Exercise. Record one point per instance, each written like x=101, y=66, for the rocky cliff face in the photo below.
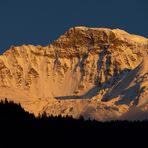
x=96, y=72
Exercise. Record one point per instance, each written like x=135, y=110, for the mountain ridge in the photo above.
x=79, y=73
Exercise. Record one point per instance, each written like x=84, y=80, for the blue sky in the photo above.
x=42, y=21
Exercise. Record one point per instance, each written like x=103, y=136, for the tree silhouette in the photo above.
x=15, y=120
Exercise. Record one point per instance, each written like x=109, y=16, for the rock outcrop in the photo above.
x=95, y=72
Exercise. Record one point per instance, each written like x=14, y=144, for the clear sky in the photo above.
x=42, y=21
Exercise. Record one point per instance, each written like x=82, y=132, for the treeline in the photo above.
x=15, y=121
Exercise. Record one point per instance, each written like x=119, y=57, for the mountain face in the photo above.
x=95, y=72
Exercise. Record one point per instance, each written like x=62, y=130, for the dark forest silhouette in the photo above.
x=16, y=123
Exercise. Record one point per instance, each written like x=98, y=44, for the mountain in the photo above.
x=98, y=73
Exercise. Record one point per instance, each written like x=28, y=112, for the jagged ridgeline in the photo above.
x=95, y=72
